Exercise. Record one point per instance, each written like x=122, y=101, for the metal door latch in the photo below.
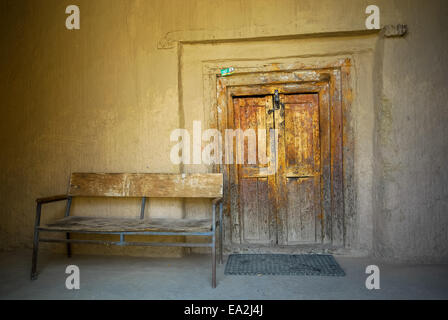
x=277, y=103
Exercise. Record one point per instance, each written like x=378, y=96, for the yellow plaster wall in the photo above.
x=106, y=97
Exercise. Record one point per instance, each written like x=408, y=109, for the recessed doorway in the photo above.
x=283, y=205
x=301, y=202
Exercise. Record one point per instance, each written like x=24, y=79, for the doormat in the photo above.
x=283, y=264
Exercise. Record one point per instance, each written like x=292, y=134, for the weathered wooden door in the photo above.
x=299, y=170
x=256, y=199
x=278, y=202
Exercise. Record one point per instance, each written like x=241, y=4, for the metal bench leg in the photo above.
x=69, y=246
x=220, y=233
x=67, y=213
x=35, y=243
x=214, y=262
x=34, y=260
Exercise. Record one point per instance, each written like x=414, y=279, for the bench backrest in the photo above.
x=208, y=185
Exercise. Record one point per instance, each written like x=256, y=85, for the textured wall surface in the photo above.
x=411, y=217
x=106, y=97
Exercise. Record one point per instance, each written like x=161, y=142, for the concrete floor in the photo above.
x=112, y=277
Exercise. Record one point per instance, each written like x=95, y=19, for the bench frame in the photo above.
x=122, y=234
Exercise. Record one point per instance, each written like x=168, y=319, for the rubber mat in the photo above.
x=283, y=264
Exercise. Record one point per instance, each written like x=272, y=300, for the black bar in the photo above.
x=129, y=243
x=36, y=242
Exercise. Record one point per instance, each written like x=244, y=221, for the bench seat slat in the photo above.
x=95, y=224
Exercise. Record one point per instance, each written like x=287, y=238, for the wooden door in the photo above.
x=280, y=206
x=299, y=172
x=256, y=199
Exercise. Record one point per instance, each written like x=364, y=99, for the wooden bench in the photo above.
x=136, y=185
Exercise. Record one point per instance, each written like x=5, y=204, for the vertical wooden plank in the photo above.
x=234, y=122
x=349, y=209
x=249, y=209
x=281, y=180
x=272, y=152
x=262, y=140
x=308, y=187
x=337, y=193
x=244, y=186
x=302, y=134
x=264, y=210
x=265, y=207
x=315, y=116
x=317, y=208
x=301, y=210
x=324, y=217
x=248, y=202
x=255, y=211
x=317, y=168
x=302, y=169
x=250, y=122
x=223, y=116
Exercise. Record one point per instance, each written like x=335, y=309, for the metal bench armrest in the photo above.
x=52, y=199
x=41, y=201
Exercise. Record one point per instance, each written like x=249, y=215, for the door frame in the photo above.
x=331, y=82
